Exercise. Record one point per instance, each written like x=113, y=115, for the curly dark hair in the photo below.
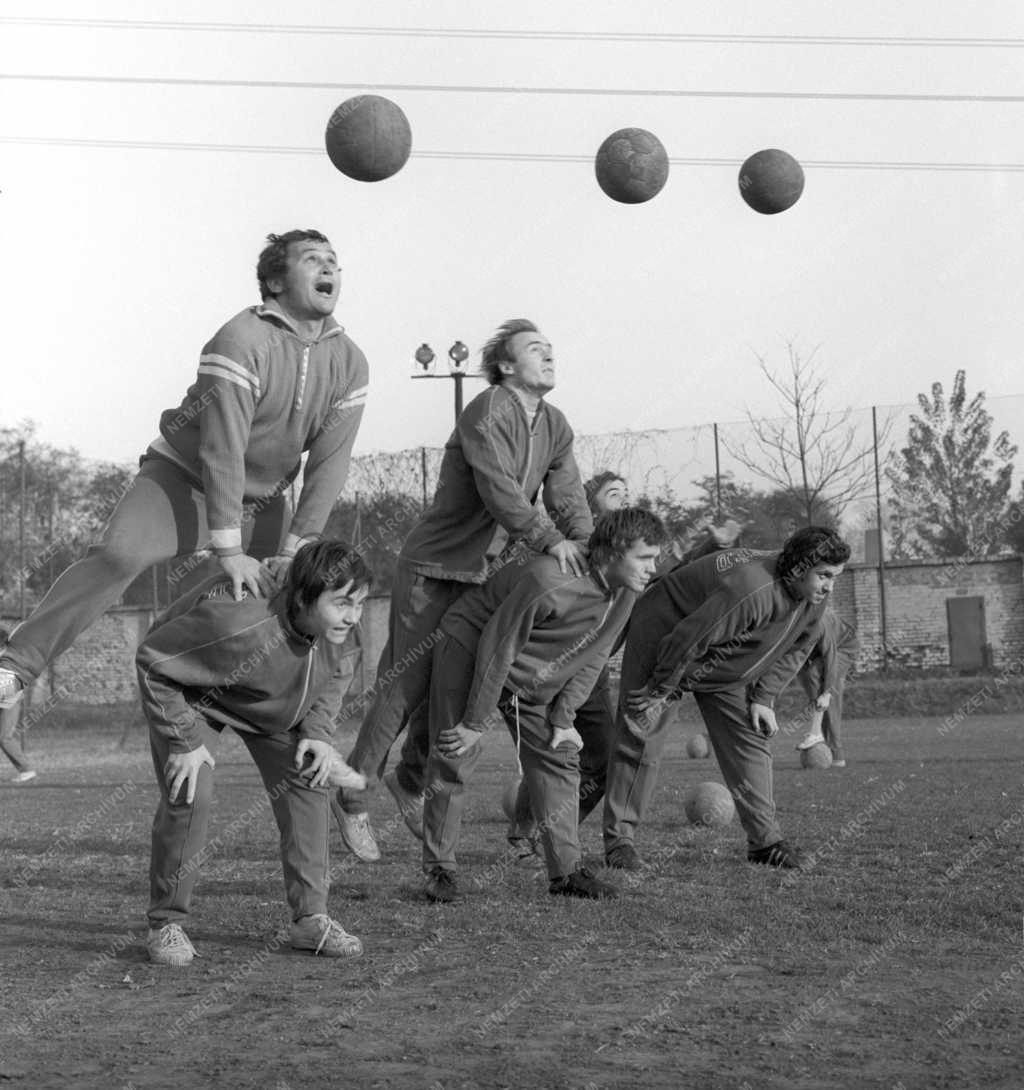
x=616, y=531
x=809, y=547
x=273, y=259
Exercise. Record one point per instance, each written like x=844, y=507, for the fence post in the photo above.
x=21, y=530
x=718, y=479
x=881, y=545
x=423, y=474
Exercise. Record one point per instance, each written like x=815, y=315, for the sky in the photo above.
x=123, y=259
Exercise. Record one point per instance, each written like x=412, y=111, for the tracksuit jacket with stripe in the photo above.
x=724, y=621
x=541, y=634
x=240, y=664
x=262, y=397
x=495, y=465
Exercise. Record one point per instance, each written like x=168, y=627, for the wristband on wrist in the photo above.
x=234, y=550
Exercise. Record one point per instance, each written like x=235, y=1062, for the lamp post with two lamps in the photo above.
x=457, y=356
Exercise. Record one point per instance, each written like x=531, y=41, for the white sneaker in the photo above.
x=169, y=945
x=409, y=806
x=341, y=775
x=356, y=832
x=25, y=777
x=11, y=689
x=815, y=738
x=325, y=937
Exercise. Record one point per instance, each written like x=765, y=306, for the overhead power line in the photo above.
x=503, y=156
x=519, y=33
x=489, y=89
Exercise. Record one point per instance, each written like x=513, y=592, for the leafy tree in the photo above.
x=951, y=482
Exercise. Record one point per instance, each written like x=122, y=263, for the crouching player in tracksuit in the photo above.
x=732, y=628
x=275, y=670
x=526, y=648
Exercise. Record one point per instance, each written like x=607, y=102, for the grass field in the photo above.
x=896, y=960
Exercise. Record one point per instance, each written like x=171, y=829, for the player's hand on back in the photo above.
x=277, y=567
x=182, y=770
x=247, y=573
x=762, y=719
x=571, y=556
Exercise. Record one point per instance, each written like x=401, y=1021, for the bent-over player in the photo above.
x=732, y=628
x=275, y=670
x=526, y=649
x=595, y=717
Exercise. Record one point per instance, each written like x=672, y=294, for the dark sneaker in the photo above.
x=582, y=883
x=623, y=857
x=779, y=854
x=441, y=887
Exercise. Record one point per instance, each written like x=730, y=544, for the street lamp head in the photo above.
x=458, y=354
x=424, y=356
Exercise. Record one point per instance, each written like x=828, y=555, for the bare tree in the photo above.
x=822, y=459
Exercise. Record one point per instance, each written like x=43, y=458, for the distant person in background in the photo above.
x=278, y=380
x=823, y=678
x=10, y=739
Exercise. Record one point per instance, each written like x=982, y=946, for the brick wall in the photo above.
x=916, y=593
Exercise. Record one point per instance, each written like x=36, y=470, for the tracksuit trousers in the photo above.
x=595, y=721
x=744, y=757
x=552, y=776
x=302, y=814
x=402, y=688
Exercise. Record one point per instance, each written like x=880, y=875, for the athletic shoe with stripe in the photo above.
x=169, y=945
x=356, y=832
x=324, y=937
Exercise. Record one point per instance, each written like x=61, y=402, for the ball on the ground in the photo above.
x=508, y=797
x=709, y=804
x=819, y=756
x=631, y=166
x=368, y=138
x=771, y=181
x=697, y=746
